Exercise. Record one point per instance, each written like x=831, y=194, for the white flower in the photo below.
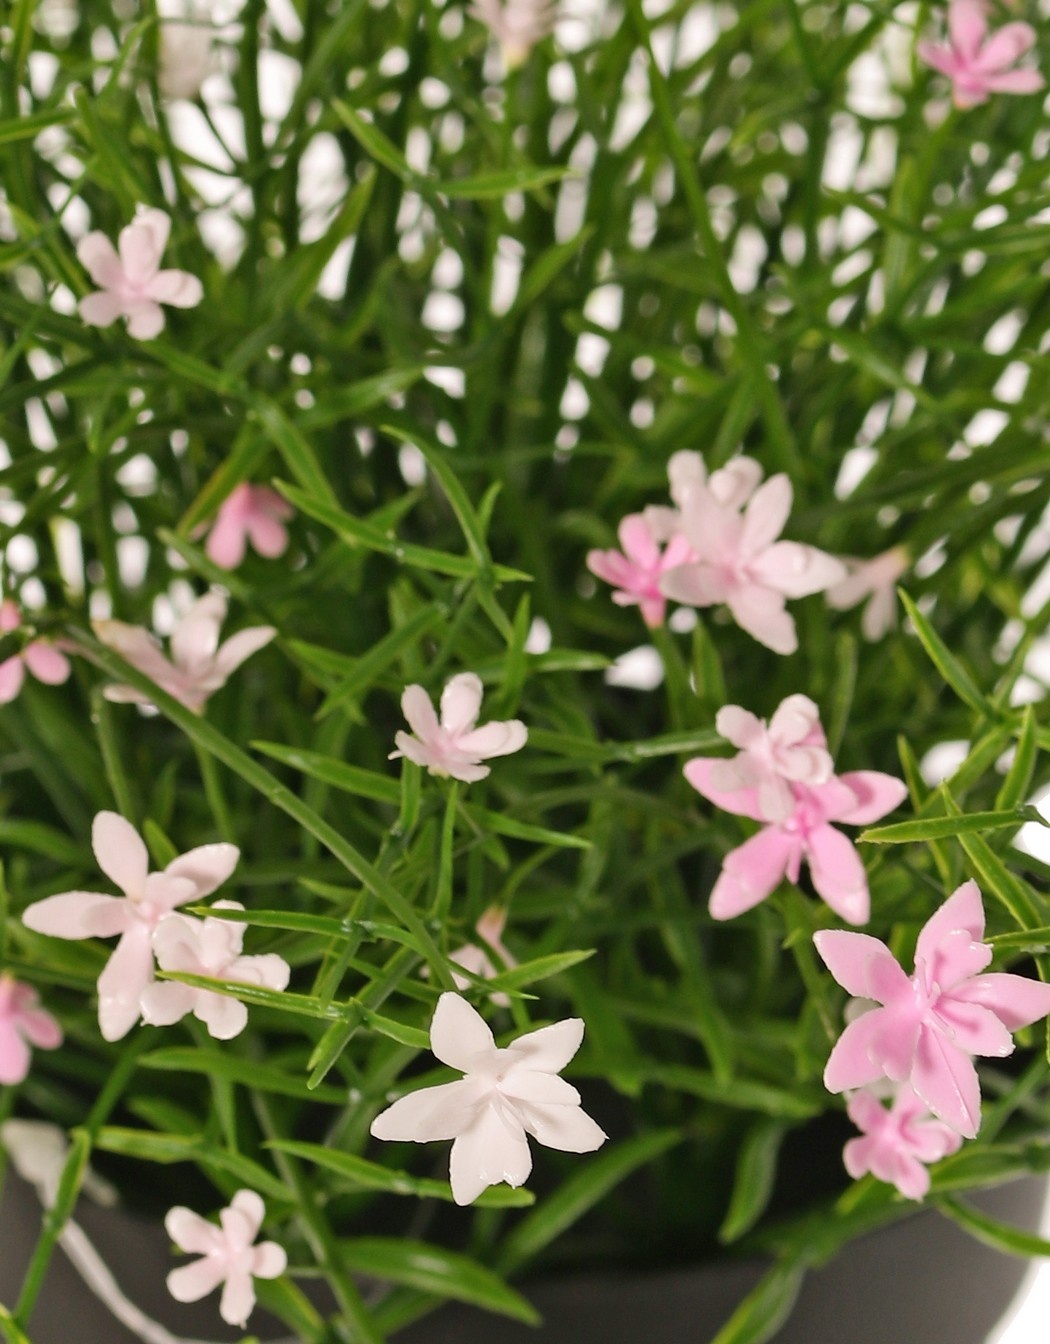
x=209, y=947
x=199, y=665
x=131, y=283
x=228, y=1256
x=455, y=746
x=186, y=54
x=504, y=1095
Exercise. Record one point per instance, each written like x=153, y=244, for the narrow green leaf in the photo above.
x=1019, y=777
x=372, y=140
x=10, y=1330
x=481, y=819
x=755, y=1176
x=249, y=1072
x=494, y=186
x=989, y=1231
x=1033, y=939
x=293, y=446
x=454, y=492
x=946, y=663
x=148, y=1146
x=432, y=1269
x=284, y=1299
x=994, y=876
x=939, y=828
x=540, y=968
x=371, y=665
x=765, y=1309
x=350, y=778
x=28, y=126
x=347, y=403
x=737, y=1093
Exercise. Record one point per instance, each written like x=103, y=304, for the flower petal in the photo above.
x=225, y=1017
x=967, y=25
x=47, y=663
x=838, y=873
x=15, y=1056
x=700, y=772
x=12, y=674
x=238, y=1298
x=876, y=794
x=565, y=1128
x=419, y=713
x=751, y=872
x=189, y=1283
x=207, y=867
x=226, y=541
x=145, y=319
x=99, y=258
x=142, y=243
x=962, y=910
x=853, y=1062
x=549, y=1049
x=1015, y=1000
x=177, y=288
x=195, y=640
x=945, y=1078
x=459, y=1034
x=492, y=1150
x=431, y=1113
x=760, y=611
x=100, y=309
x=248, y=1204
x=79, y=914
x=120, y=852
x=766, y=513
x=460, y=703
x=1004, y=47
x=240, y=647
x=165, y=1002
x=269, y=1261
x=124, y=977
x=862, y=965
x=499, y=738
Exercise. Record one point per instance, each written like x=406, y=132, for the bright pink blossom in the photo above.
x=931, y=1024
x=199, y=665
x=209, y=947
x=45, y=662
x=979, y=64
x=792, y=749
x=249, y=513
x=148, y=898
x=898, y=1141
x=454, y=746
x=22, y=1023
x=740, y=563
x=797, y=806
x=228, y=1256
x=636, y=573
x=505, y=1095
x=876, y=580
x=131, y=283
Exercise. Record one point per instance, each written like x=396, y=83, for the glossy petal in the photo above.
x=78, y=914
x=458, y=1033
x=751, y=872
x=461, y=703
x=165, y=1002
x=419, y=713
x=962, y=910
x=240, y=647
x=862, y=965
x=550, y=1048
x=491, y=1150
x=1015, y=1000
x=207, y=867
x=124, y=977
x=432, y=1113
x=851, y=1062
x=120, y=852
x=945, y=1078
x=565, y=1128
x=838, y=874
x=876, y=794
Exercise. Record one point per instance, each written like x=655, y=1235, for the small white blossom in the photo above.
x=228, y=1256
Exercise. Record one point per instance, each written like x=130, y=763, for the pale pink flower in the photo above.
x=228, y=1256
x=209, y=947
x=517, y=25
x=199, y=665
x=478, y=959
x=791, y=750
x=978, y=64
x=931, y=1024
x=731, y=485
x=131, y=283
x=504, y=1095
x=148, y=898
x=753, y=870
x=22, y=1023
x=898, y=1141
x=875, y=579
x=741, y=564
x=454, y=746
x=636, y=573
x=249, y=513
x=186, y=53
x=41, y=657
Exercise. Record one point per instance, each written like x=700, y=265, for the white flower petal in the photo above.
x=566, y=1128
x=550, y=1049
x=460, y=703
x=459, y=1034
x=431, y=1113
x=207, y=867
x=492, y=1150
x=120, y=852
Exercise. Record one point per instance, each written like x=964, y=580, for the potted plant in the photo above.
x=460, y=467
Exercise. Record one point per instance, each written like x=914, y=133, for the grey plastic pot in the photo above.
x=921, y=1281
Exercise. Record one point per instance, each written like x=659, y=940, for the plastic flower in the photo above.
x=636, y=573
x=131, y=283
x=228, y=1256
x=898, y=1141
x=876, y=580
x=209, y=947
x=740, y=563
x=249, y=513
x=753, y=870
x=978, y=64
x=45, y=662
x=148, y=898
x=504, y=1095
x=199, y=665
x=792, y=749
x=929, y=1026
x=22, y=1023
x=477, y=960
x=455, y=746
x=517, y=25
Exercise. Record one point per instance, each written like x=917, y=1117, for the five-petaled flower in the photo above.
x=199, y=664
x=131, y=283
x=46, y=663
x=504, y=1095
x=228, y=1256
x=753, y=870
x=790, y=750
x=978, y=64
x=148, y=899
x=927, y=1027
x=636, y=572
x=898, y=1141
x=876, y=580
x=454, y=746
x=249, y=513
x=22, y=1023
x=740, y=563
x=210, y=947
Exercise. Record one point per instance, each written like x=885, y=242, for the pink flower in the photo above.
x=731, y=485
x=199, y=665
x=455, y=746
x=740, y=562
x=209, y=947
x=979, y=65
x=517, y=25
x=478, y=960
x=45, y=662
x=148, y=898
x=637, y=572
x=22, y=1023
x=505, y=1094
x=898, y=1141
x=753, y=870
x=131, y=284
x=228, y=1256
x=930, y=1024
x=792, y=749
x=249, y=513
x=875, y=579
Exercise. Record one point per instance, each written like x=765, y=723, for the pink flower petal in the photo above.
x=189, y=1283
x=178, y=289
x=120, y=852
x=852, y=1061
x=460, y=704
x=249, y=1206
x=12, y=674
x=124, y=977
x=838, y=874
x=637, y=541
x=142, y=243
x=946, y=1079
x=760, y=611
x=195, y=640
x=752, y=872
x=145, y=319
x=240, y=647
x=697, y=585
x=79, y=914
x=795, y=570
x=862, y=965
x=46, y=663
x=700, y=773
x=207, y=867
x=100, y=309
x=962, y=910
x=98, y=257
x=458, y=1033
x=765, y=515
x=1015, y=81
x=238, y=1298
x=967, y=26
x=15, y=1055
x=499, y=738
x=165, y=1002
x=269, y=1261
x=224, y=1017
x=226, y=541
x=439, y=1112
x=1004, y=47
x=419, y=714
x=1016, y=1000
x=40, y=1028
x=876, y=794
x=268, y=535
